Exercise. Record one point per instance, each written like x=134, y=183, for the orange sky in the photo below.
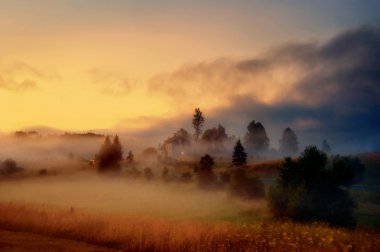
x=80, y=65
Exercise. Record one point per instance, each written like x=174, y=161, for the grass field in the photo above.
x=153, y=234
x=81, y=211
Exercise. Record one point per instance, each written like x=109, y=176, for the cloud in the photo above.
x=110, y=83
x=20, y=76
x=329, y=89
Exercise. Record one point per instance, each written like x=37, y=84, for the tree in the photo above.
x=215, y=134
x=150, y=152
x=314, y=188
x=148, y=174
x=206, y=163
x=239, y=156
x=289, y=142
x=245, y=186
x=256, y=138
x=326, y=147
x=176, y=145
x=117, y=152
x=130, y=157
x=198, y=121
x=109, y=155
x=206, y=177
x=9, y=167
x=215, y=138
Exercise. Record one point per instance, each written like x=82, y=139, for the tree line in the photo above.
x=311, y=187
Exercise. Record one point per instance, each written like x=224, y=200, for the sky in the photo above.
x=143, y=66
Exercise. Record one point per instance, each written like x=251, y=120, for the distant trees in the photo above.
x=313, y=188
x=177, y=143
x=239, y=156
x=289, y=142
x=150, y=152
x=198, y=121
x=130, y=157
x=109, y=155
x=256, y=138
x=9, y=167
x=181, y=137
x=215, y=137
x=217, y=134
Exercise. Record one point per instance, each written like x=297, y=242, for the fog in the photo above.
x=89, y=192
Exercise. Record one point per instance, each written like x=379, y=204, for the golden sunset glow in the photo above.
x=80, y=65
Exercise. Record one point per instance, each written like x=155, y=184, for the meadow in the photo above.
x=124, y=214
x=65, y=198
x=154, y=234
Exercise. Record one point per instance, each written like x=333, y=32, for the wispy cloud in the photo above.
x=110, y=82
x=20, y=77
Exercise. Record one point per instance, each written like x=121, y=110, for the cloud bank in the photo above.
x=322, y=90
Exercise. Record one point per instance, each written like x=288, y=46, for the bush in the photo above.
x=9, y=167
x=148, y=174
x=205, y=176
x=245, y=186
x=186, y=177
x=314, y=188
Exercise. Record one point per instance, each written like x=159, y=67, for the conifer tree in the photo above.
x=239, y=156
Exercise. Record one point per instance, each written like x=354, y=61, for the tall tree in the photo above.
x=109, y=155
x=117, y=149
x=198, y=121
x=130, y=157
x=256, y=138
x=289, y=142
x=239, y=156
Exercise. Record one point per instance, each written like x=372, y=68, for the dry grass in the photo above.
x=144, y=234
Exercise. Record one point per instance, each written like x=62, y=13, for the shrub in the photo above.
x=205, y=176
x=245, y=186
x=9, y=167
x=148, y=174
x=314, y=188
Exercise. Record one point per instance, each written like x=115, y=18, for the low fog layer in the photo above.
x=120, y=196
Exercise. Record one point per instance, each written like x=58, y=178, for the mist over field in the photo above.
x=189, y=125
x=91, y=193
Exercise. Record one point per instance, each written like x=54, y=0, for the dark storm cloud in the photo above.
x=336, y=96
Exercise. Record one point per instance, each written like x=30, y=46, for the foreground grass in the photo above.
x=144, y=234
x=20, y=242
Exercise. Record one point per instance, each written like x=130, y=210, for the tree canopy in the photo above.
x=109, y=155
x=198, y=121
x=256, y=138
x=315, y=188
x=289, y=142
x=239, y=156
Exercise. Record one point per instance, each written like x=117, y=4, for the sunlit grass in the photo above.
x=154, y=234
